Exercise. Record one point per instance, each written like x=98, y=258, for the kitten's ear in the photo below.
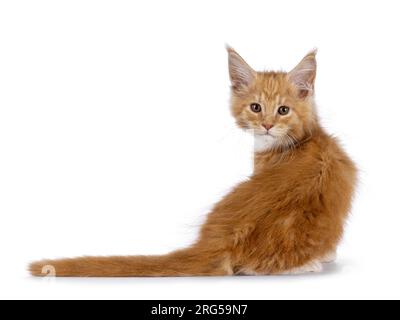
x=303, y=75
x=241, y=74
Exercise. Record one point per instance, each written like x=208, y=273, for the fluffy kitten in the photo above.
x=288, y=217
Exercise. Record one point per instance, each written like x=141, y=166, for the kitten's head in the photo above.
x=277, y=106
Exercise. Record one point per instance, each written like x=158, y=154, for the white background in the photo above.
x=116, y=136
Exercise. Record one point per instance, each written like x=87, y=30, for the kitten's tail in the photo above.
x=187, y=262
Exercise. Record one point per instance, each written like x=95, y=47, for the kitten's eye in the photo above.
x=283, y=111
x=255, y=107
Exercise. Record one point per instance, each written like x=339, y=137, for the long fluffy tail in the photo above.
x=187, y=262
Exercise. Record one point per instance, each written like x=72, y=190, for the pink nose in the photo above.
x=267, y=126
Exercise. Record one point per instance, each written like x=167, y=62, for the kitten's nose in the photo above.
x=267, y=126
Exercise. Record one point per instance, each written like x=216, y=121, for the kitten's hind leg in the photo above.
x=329, y=257
x=311, y=267
x=314, y=266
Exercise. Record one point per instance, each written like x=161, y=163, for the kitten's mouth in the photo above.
x=263, y=133
x=269, y=134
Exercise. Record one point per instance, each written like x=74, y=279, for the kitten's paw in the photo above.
x=329, y=258
x=311, y=267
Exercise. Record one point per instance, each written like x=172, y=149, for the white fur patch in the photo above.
x=329, y=258
x=248, y=272
x=263, y=143
x=313, y=266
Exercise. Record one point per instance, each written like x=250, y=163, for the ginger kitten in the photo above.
x=288, y=217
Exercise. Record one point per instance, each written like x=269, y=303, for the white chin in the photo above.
x=264, y=142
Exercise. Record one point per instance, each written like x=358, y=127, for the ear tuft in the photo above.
x=304, y=74
x=241, y=74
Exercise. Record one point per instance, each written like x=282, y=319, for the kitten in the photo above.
x=288, y=217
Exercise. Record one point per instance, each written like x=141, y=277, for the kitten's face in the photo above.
x=277, y=107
